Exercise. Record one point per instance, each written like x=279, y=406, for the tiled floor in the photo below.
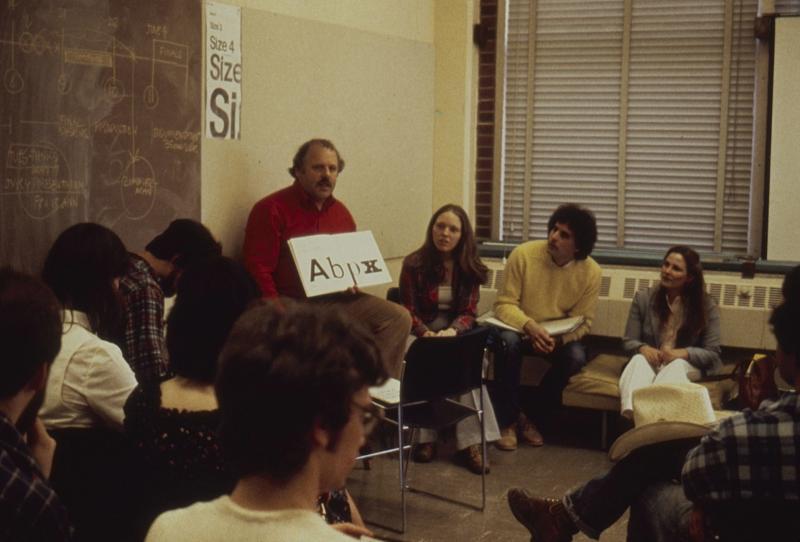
x=566, y=460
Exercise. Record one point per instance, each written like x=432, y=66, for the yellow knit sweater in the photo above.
x=536, y=288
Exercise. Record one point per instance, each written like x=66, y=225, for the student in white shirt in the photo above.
x=89, y=380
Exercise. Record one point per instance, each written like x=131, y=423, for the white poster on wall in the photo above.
x=223, y=71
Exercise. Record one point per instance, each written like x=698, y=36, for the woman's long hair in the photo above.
x=211, y=295
x=467, y=266
x=692, y=297
x=81, y=267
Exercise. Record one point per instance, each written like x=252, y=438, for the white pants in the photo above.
x=639, y=373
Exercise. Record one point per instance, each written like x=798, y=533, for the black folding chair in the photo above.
x=436, y=371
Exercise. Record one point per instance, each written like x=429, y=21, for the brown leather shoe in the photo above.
x=508, y=438
x=424, y=452
x=472, y=459
x=528, y=432
x=545, y=519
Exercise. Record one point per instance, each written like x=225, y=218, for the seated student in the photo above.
x=174, y=424
x=440, y=286
x=672, y=329
x=544, y=280
x=88, y=384
x=150, y=275
x=30, y=332
x=750, y=459
x=293, y=391
x=89, y=380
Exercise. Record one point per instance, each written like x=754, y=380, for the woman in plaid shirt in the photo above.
x=440, y=286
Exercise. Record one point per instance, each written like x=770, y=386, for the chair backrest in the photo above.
x=439, y=367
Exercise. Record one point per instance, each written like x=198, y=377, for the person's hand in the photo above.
x=669, y=354
x=429, y=333
x=539, y=337
x=448, y=332
x=652, y=355
x=42, y=446
x=352, y=530
x=352, y=290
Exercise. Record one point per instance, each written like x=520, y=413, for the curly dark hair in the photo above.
x=285, y=367
x=581, y=222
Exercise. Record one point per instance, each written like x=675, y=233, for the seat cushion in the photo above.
x=597, y=385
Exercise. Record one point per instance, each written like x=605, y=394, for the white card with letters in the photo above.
x=330, y=263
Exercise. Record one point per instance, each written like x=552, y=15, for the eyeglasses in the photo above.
x=370, y=415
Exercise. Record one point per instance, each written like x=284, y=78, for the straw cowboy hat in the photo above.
x=664, y=412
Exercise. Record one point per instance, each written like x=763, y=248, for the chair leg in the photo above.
x=401, y=469
x=482, y=418
x=604, y=430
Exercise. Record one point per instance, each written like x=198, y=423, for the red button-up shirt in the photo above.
x=281, y=216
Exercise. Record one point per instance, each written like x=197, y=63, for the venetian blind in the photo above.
x=640, y=110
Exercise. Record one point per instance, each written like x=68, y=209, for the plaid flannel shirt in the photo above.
x=751, y=455
x=421, y=298
x=29, y=508
x=143, y=344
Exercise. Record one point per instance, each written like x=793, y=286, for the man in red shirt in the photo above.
x=307, y=207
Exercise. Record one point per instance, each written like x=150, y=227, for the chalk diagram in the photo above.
x=100, y=137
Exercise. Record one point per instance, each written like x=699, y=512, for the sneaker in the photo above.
x=473, y=459
x=528, y=432
x=545, y=519
x=508, y=438
x=424, y=452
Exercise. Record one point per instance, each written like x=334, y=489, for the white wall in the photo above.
x=359, y=73
x=784, y=179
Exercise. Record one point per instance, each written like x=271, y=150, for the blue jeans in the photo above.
x=566, y=360
x=649, y=478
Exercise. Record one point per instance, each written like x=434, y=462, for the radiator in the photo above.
x=745, y=304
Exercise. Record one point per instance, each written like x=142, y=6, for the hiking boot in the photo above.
x=472, y=459
x=528, y=432
x=508, y=438
x=424, y=452
x=546, y=519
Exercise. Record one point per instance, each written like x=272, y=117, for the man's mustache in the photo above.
x=324, y=183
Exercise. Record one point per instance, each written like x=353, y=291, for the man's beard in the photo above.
x=28, y=416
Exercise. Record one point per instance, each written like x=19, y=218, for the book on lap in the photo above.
x=556, y=327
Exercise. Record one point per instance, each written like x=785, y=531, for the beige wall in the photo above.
x=407, y=137
x=784, y=219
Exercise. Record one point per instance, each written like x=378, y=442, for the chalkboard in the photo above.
x=99, y=119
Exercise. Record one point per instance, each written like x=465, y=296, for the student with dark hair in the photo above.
x=89, y=380
x=150, y=275
x=174, y=424
x=544, y=280
x=293, y=395
x=744, y=473
x=672, y=332
x=30, y=332
x=440, y=286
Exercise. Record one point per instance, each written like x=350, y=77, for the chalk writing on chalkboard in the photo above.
x=99, y=119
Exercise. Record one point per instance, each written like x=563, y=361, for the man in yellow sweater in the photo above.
x=544, y=280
